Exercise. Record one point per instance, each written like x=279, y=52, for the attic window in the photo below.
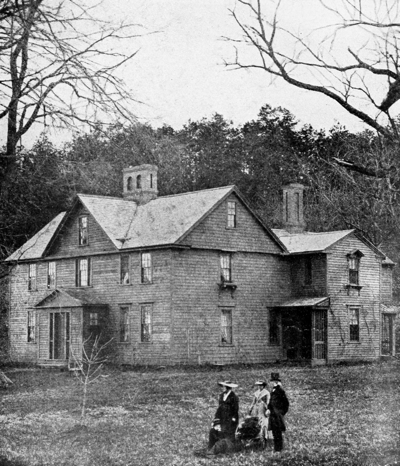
x=139, y=182
x=83, y=231
x=129, y=184
x=231, y=220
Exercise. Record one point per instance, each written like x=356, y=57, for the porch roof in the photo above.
x=319, y=302
x=69, y=298
x=390, y=308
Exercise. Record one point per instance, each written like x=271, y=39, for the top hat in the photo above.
x=275, y=377
x=228, y=384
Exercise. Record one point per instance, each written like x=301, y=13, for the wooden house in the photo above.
x=196, y=278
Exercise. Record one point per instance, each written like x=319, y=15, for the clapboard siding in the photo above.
x=248, y=235
x=198, y=301
x=342, y=296
x=387, y=283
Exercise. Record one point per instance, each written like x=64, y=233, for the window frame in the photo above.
x=354, y=336
x=81, y=239
x=93, y=319
x=32, y=278
x=78, y=277
x=353, y=268
x=223, y=327
x=128, y=271
x=124, y=325
x=146, y=279
x=31, y=329
x=49, y=284
x=146, y=307
x=231, y=218
x=222, y=257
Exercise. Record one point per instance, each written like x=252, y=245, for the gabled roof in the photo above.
x=68, y=298
x=36, y=245
x=163, y=221
x=307, y=242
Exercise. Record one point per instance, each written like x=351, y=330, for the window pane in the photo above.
x=354, y=321
x=146, y=268
x=125, y=279
x=124, y=324
x=51, y=275
x=83, y=231
x=32, y=277
x=226, y=326
x=93, y=319
x=146, y=323
x=226, y=268
x=232, y=214
x=31, y=326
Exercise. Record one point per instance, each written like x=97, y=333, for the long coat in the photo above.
x=278, y=406
x=227, y=414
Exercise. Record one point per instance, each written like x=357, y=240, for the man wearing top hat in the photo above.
x=278, y=406
x=227, y=415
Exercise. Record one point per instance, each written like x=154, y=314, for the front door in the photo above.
x=319, y=336
x=387, y=334
x=59, y=335
x=296, y=334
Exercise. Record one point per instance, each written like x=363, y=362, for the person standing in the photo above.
x=259, y=407
x=278, y=406
x=226, y=418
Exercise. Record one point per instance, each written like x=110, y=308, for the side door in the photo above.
x=387, y=339
x=319, y=334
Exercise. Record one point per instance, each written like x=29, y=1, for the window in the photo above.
x=31, y=327
x=93, y=319
x=83, y=272
x=274, y=328
x=226, y=267
x=231, y=215
x=354, y=267
x=124, y=270
x=307, y=270
x=146, y=272
x=129, y=184
x=139, y=182
x=124, y=324
x=151, y=180
x=226, y=326
x=32, y=277
x=354, y=320
x=146, y=318
x=83, y=231
x=51, y=275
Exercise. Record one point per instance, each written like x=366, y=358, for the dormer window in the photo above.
x=231, y=220
x=354, y=267
x=139, y=182
x=129, y=184
x=83, y=231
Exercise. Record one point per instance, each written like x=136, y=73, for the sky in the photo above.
x=179, y=74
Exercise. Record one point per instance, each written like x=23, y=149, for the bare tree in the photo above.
x=88, y=366
x=59, y=65
x=351, y=57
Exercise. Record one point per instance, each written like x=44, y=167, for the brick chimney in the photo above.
x=140, y=183
x=293, y=217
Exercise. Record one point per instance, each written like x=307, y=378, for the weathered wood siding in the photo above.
x=387, y=283
x=248, y=235
x=342, y=296
x=66, y=243
x=198, y=302
x=318, y=285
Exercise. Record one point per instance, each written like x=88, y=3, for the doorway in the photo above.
x=59, y=335
x=296, y=334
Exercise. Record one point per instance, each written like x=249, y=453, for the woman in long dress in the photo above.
x=259, y=407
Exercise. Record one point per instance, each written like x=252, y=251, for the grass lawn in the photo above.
x=343, y=415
